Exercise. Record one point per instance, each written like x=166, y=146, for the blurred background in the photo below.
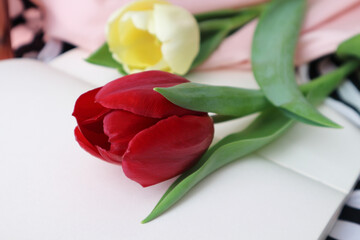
x=22, y=32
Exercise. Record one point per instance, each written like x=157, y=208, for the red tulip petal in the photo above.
x=94, y=133
x=109, y=157
x=121, y=126
x=85, y=144
x=95, y=150
x=86, y=109
x=167, y=149
x=134, y=93
x=89, y=116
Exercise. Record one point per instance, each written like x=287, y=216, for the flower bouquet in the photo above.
x=157, y=125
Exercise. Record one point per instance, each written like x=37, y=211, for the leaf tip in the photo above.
x=88, y=59
x=159, y=90
x=147, y=219
x=330, y=124
x=337, y=126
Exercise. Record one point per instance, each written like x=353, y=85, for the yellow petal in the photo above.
x=151, y=34
x=135, y=47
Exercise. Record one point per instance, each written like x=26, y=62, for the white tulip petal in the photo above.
x=179, y=33
x=112, y=19
x=151, y=25
x=140, y=19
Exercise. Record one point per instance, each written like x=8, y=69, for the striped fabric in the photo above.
x=27, y=33
x=346, y=101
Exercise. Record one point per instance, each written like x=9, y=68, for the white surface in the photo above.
x=330, y=156
x=73, y=63
x=52, y=189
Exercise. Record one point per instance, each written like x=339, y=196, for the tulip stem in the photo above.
x=222, y=118
x=217, y=27
x=347, y=68
x=231, y=23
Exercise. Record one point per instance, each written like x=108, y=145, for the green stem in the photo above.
x=217, y=14
x=222, y=118
x=345, y=70
x=230, y=23
x=225, y=13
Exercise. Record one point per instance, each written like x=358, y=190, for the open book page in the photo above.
x=52, y=189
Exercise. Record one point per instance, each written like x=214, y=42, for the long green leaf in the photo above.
x=263, y=130
x=217, y=99
x=231, y=101
x=350, y=48
x=267, y=127
x=273, y=52
x=103, y=57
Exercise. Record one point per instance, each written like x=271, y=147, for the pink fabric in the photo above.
x=327, y=23
x=82, y=22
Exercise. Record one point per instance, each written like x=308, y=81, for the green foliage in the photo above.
x=230, y=102
x=214, y=31
x=267, y=126
x=263, y=130
x=273, y=52
x=216, y=99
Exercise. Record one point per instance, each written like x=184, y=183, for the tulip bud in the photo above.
x=153, y=35
x=126, y=122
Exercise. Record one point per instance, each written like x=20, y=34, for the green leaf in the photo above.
x=217, y=99
x=103, y=57
x=231, y=101
x=273, y=52
x=268, y=126
x=350, y=48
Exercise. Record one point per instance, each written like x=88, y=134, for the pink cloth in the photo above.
x=327, y=23
x=82, y=22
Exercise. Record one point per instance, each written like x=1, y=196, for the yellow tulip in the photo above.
x=153, y=35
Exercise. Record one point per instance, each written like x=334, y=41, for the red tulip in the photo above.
x=126, y=122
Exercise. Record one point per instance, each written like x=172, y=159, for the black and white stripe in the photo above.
x=345, y=100
x=348, y=225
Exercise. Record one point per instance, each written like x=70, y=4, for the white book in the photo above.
x=52, y=189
